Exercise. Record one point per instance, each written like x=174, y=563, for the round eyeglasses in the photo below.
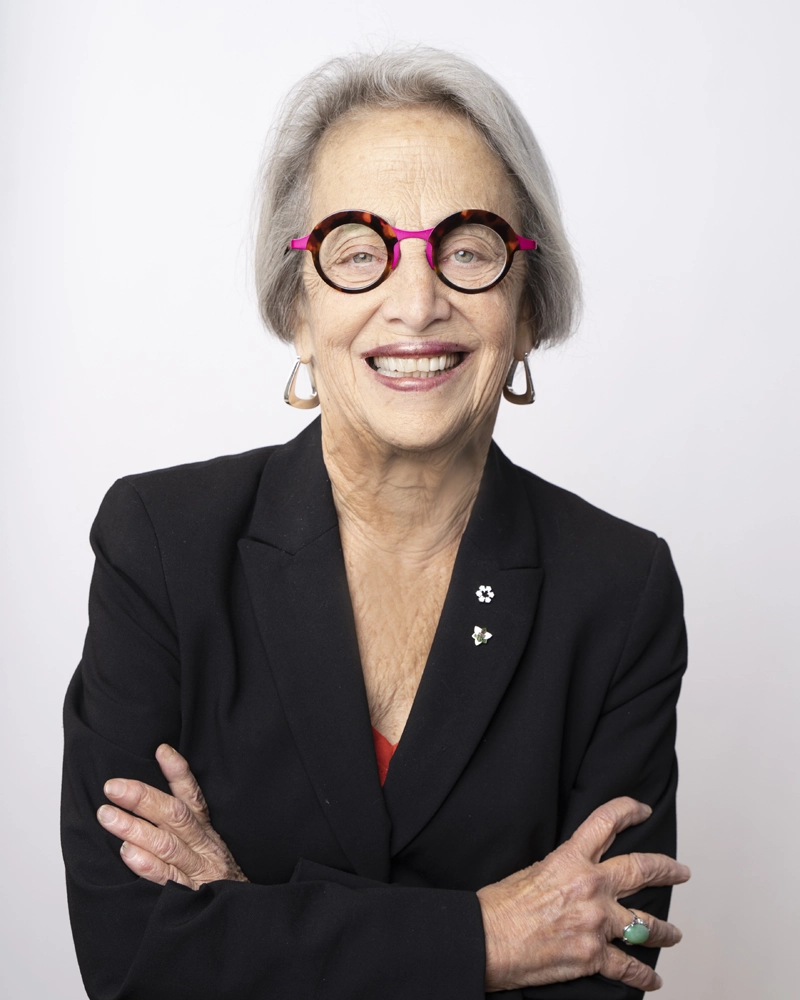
x=470, y=251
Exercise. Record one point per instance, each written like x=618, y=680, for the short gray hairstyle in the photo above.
x=400, y=78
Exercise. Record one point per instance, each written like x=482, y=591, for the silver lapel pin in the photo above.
x=484, y=594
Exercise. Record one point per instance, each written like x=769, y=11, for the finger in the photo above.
x=182, y=782
x=662, y=933
x=630, y=872
x=624, y=967
x=147, y=865
x=162, y=844
x=162, y=810
x=597, y=833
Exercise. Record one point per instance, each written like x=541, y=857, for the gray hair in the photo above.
x=396, y=79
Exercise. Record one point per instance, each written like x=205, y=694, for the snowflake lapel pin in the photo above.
x=481, y=636
x=484, y=594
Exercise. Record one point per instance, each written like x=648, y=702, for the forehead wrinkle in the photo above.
x=412, y=176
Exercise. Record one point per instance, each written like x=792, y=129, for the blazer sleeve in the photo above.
x=324, y=934
x=632, y=752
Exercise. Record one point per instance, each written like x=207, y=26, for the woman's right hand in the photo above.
x=556, y=920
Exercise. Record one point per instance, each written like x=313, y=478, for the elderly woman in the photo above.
x=429, y=698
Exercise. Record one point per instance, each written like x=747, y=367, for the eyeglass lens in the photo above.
x=470, y=256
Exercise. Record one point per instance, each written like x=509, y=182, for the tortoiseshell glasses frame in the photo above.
x=392, y=237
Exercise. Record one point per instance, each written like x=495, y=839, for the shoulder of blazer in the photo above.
x=210, y=497
x=579, y=538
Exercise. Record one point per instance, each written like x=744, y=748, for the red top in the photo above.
x=383, y=751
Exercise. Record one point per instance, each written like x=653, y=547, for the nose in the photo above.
x=414, y=295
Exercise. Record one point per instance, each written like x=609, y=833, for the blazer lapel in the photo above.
x=463, y=683
x=296, y=576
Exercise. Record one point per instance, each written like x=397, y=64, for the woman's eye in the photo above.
x=464, y=256
x=350, y=257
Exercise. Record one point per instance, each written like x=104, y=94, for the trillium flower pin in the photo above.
x=481, y=636
x=484, y=594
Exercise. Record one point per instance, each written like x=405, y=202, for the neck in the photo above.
x=413, y=505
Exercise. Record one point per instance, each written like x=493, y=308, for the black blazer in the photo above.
x=220, y=622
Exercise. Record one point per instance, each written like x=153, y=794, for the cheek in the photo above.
x=509, y=307
x=324, y=313
x=498, y=322
x=334, y=321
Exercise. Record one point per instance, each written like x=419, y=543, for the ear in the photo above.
x=525, y=340
x=302, y=339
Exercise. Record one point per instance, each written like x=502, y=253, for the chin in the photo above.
x=420, y=432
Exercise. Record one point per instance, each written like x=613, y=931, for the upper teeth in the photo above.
x=415, y=366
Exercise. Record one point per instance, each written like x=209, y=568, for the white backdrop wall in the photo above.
x=131, y=134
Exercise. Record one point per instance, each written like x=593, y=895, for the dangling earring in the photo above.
x=529, y=395
x=291, y=397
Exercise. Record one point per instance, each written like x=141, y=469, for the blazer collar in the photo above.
x=296, y=575
x=294, y=504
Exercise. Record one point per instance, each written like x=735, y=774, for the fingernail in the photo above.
x=166, y=750
x=106, y=814
x=127, y=849
x=115, y=787
x=659, y=982
x=686, y=871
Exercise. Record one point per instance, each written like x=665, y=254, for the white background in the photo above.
x=131, y=134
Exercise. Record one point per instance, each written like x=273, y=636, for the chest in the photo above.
x=397, y=609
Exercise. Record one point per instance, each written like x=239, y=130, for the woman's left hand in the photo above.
x=173, y=839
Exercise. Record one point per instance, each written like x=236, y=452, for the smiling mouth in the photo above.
x=418, y=366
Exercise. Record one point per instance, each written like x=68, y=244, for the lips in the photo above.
x=416, y=364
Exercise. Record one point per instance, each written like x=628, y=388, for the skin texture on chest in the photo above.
x=396, y=606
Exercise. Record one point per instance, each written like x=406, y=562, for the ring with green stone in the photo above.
x=636, y=932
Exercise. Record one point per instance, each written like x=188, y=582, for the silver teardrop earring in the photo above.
x=529, y=394
x=290, y=395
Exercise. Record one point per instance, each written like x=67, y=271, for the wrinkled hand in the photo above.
x=555, y=921
x=173, y=839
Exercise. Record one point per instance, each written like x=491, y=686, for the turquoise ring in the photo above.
x=636, y=932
